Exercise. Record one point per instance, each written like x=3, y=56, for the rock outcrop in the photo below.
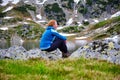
x=19, y=52
x=107, y=49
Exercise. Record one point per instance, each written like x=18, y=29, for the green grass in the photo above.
x=115, y=28
x=72, y=29
x=66, y=69
x=32, y=29
x=100, y=36
x=105, y=23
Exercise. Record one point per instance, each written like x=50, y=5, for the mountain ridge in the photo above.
x=80, y=11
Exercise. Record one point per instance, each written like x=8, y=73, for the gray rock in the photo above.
x=33, y=53
x=107, y=49
x=18, y=52
x=54, y=55
x=103, y=57
x=3, y=53
x=118, y=59
x=71, y=46
x=111, y=59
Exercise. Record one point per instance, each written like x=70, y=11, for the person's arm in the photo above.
x=54, y=32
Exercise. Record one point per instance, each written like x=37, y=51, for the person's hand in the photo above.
x=65, y=41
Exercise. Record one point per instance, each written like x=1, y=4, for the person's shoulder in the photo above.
x=53, y=30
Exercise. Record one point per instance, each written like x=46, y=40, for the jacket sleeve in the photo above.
x=54, y=32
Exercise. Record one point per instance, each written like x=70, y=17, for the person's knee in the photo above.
x=63, y=41
x=60, y=40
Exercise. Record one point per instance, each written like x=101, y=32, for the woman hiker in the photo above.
x=51, y=40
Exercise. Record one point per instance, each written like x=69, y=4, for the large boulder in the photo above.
x=107, y=49
x=19, y=52
x=14, y=52
x=37, y=53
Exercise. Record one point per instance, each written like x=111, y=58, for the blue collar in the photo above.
x=50, y=27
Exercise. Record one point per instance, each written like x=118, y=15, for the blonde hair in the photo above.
x=51, y=23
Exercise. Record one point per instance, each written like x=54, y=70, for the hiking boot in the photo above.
x=65, y=55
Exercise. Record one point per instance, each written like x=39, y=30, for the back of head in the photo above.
x=51, y=23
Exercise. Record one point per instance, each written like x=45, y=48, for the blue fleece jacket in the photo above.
x=48, y=37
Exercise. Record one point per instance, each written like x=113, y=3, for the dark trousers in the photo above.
x=58, y=43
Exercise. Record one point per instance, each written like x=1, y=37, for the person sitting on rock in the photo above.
x=51, y=39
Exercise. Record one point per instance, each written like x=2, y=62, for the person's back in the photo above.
x=47, y=38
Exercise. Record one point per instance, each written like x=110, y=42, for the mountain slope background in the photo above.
x=27, y=18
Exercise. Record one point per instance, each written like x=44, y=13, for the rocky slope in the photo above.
x=66, y=12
